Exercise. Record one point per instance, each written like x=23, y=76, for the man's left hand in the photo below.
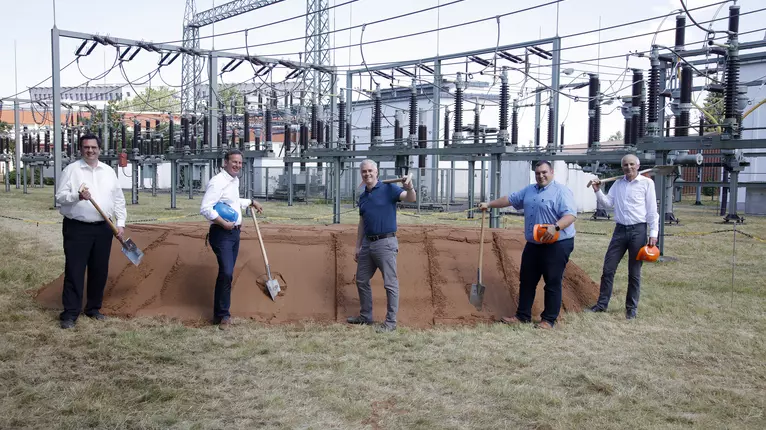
x=407, y=184
x=550, y=231
x=652, y=241
x=120, y=232
x=257, y=206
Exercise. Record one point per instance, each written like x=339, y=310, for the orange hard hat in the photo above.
x=648, y=253
x=539, y=231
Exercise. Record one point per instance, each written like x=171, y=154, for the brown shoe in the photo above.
x=510, y=320
x=544, y=325
x=224, y=324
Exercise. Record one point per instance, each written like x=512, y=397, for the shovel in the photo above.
x=660, y=170
x=272, y=284
x=129, y=248
x=477, y=289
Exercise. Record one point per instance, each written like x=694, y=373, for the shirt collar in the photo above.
x=537, y=187
x=84, y=164
x=377, y=184
x=227, y=175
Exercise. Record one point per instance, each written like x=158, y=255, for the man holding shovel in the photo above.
x=87, y=235
x=551, y=206
x=635, y=211
x=376, y=244
x=223, y=234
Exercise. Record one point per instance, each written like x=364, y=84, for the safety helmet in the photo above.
x=648, y=253
x=226, y=212
x=539, y=231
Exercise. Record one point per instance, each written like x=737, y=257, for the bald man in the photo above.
x=635, y=211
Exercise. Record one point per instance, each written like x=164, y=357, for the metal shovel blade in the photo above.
x=131, y=251
x=477, y=296
x=273, y=286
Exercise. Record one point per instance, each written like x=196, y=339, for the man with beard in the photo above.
x=551, y=205
x=223, y=234
x=376, y=243
x=635, y=210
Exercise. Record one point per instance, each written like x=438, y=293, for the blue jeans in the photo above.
x=225, y=245
x=548, y=261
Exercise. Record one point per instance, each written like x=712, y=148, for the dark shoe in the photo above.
x=65, y=324
x=631, y=314
x=358, y=320
x=545, y=325
x=595, y=308
x=385, y=328
x=512, y=320
x=225, y=323
x=97, y=316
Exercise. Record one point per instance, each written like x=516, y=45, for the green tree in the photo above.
x=5, y=127
x=714, y=107
x=158, y=99
x=616, y=136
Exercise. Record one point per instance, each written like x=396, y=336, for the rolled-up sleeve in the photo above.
x=243, y=203
x=517, y=199
x=213, y=193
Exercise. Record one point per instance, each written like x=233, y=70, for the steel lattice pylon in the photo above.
x=317, y=48
x=191, y=64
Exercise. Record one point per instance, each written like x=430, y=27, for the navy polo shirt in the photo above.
x=377, y=207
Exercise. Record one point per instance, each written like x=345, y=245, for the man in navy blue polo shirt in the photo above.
x=376, y=244
x=551, y=204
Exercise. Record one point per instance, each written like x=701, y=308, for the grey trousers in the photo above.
x=625, y=238
x=380, y=254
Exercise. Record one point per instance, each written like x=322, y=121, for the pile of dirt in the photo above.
x=316, y=268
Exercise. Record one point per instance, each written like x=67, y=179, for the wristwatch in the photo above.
x=557, y=227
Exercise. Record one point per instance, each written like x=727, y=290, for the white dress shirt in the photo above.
x=634, y=202
x=104, y=189
x=222, y=188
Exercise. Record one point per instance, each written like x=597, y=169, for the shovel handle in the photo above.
x=396, y=180
x=106, y=218
x=481, y=244
x=260, y=241
x=614, y=178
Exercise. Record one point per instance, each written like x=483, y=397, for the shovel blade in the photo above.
x=477, y=296
x=131, y=251
x=273, y=286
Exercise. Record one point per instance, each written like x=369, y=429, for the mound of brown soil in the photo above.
x=315, y=267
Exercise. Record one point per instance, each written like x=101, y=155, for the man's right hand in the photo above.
x=356, y=254
x=596, y=185
x=85, y=194
x=228, y=225
x=483, y=206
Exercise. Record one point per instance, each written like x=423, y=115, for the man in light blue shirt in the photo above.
x=551, y=204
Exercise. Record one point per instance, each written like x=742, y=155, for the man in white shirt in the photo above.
x=224, y=235
x=87, y=236
x=635, y=211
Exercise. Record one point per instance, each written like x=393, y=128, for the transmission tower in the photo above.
x=191, y=64
x=318, y=47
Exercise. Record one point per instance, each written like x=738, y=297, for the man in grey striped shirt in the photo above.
x=635, y=211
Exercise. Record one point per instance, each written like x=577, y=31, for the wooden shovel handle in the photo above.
x=260, y=239
x=393, y=181
x=103, y=215
x=614, y=178
x=481, y=244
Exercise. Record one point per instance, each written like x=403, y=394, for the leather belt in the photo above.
x=380, y=236
x=86, y=222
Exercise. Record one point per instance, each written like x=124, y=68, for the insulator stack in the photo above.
x=260, y=101
x=222, y=139
x=171, y=133
x=458, y=107
x=446, y=128
x=642, y=115
x=515, y=123
x=653, y=125
x=48, y=139
x=413, y=111
x=313, y=121
x=320, y=132
x=303, y=141
x=680, y=31
x=561, y=135
x=682, y=124
x=503, y=132
x=476, y=124
x=638, y=84
x=136, y=134
x=246, y=128
x=376, y=115
x=626, y=133
x=422, y=142
x=288, y=139
x=551, y=126
x=268, y=126
x=123, y=136
x=594, y=110
x=398, y=132
x=205, y=132
x=341, y=119
x=732, y=115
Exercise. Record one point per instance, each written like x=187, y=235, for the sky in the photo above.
x=27, y=26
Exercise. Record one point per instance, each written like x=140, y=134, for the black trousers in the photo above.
x=548, y=261
x=85, y=246
x=225, y=244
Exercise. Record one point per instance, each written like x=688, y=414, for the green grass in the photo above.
x=695, y=357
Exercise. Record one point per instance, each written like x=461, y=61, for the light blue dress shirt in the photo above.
x=545, y=206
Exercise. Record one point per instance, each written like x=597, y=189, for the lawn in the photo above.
x=695, y=356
